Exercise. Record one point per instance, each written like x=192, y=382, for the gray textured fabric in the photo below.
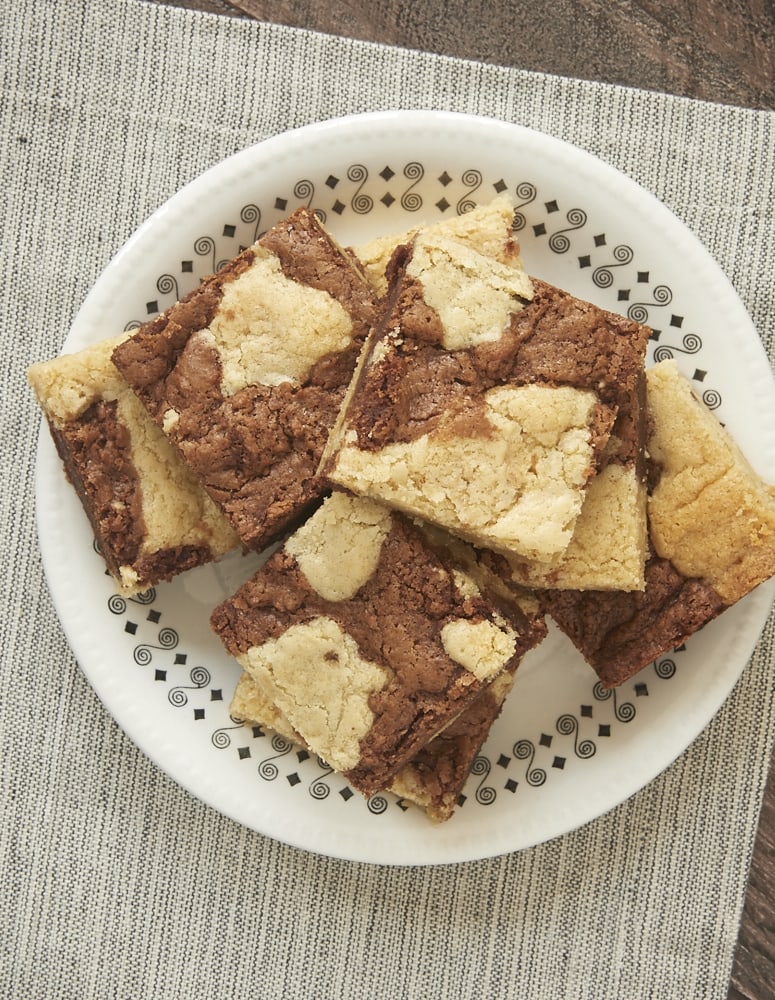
x=115, y=881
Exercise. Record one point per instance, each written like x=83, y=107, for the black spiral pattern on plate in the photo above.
x=559, y=242
x=167, y=639
x=485, y=795
x=221, y=739
x=527, y=192
x=167, y=284
x=411, y=200
x=320, y=789
x=117, y=604
x=568, y=725
x=304, y=191
x=268, y=769
x=251, y=215
x=525, y=750
x=690, y=344
x=639, y=311
x=603, y=274
x=665, y=668
x=377, y=804
x=204, y=246
x=178, y=695
x=472, y=180
x=361, y=204
x=624, y=712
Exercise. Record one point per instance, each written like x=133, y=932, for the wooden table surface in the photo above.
x=706, y=49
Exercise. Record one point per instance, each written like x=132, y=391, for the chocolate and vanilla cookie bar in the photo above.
x=712, y=537
x=247, y=373
x=434, y=778
x=367, y=640
x=150, y=516
x=485, y=401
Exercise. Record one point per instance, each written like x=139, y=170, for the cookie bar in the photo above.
x=488, y=229
x=247, y=373
x=366, y=639
x=712, y=534
x=615, y=502
x=434, y=778
x=484, y=401
x=150, y=517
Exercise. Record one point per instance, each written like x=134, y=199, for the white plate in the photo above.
x=564, y=751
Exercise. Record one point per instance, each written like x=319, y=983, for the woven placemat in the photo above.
x=116, y=881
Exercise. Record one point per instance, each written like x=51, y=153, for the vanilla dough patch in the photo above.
x=473, y=295
x=338, y=549
x=517, y=488
x=270, y=329
x=483, y=648
x=314, y=674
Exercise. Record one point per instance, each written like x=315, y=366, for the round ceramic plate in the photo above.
x=564, y=751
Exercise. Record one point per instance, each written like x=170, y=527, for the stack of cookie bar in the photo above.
x=445, y=449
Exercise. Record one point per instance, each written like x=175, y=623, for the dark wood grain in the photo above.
x=753, y=975
x=705, y=49
x=696, y=48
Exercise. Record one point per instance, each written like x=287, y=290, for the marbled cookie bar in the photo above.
x=434, y=778
x=366, y=640
x=485, y=402
x=615, y=503
x=247, y=373
x=150, y=516
x=712, y=531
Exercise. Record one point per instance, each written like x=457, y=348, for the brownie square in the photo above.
x=247, y=373
x=368, y=640
x=485, y=402
x=150, y=516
